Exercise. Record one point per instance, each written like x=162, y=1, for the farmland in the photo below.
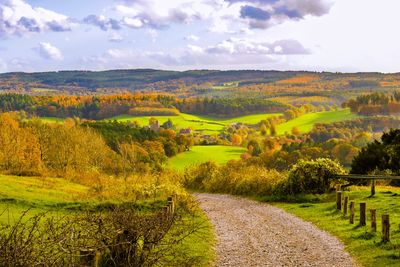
x=305, y=122
x=207, y=124
x=203, y=124
x=200, y=154
x=52, y=120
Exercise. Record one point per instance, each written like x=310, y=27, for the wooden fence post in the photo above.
x=352, y=212
x=171, y=203
x=363, y=207
x=339, y=200
x=166, y=210
x=385, y=228
x=373, y=219
x=89, y=258
x=372, y=187
x=345, y=203
x=338, y=187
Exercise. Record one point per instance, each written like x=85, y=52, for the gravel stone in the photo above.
x=251, y=233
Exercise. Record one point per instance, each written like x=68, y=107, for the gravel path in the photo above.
x=250, y=233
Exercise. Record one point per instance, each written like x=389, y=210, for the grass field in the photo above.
x=199, y=154
x=43, y=90
x=204, y=124
x=58, y=197
x=361, y=242
x=52, y=120
x=38, y=194
x=227, y=85
x=306, y=122
x=213, y=125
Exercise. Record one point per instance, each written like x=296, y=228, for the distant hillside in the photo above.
x=334, y=87
x=138, y=77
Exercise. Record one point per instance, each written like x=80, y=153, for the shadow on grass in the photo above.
x=366, y=235
x=301, y=198
x=392, y=256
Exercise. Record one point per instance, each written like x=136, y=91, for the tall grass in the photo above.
x=235, y=178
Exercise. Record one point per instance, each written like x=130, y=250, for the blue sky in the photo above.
x=320, y=35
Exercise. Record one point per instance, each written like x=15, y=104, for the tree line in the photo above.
x=375, y=104
x=105, y=106
x=36, y=148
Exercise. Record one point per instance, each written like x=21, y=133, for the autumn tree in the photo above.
x=19, y=147
x=263, y=129
x=254, y=148
x=296, y=131
x=236, y=140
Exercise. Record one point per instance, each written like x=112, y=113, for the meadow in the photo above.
x=200, y=154
x=361, y=242
x=58, y=197
x=52, y=120
x=203, y=124
x=213, y=125
x=306, y=122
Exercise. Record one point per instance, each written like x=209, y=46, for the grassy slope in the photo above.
x=18, y=194
x=213, y=125
x=307, y=121
x=56, y=195
x=199, y=154
x=41, y=190
x=52, y=120
x=201, y=245
x=206, y=124
x=364, y=245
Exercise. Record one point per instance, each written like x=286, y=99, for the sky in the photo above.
x=314, y=35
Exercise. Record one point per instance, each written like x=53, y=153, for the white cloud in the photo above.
x=161, y=13
x=236, y=46
x=226, y=54
x=133, y=22
x=195, y=49
x=18, y=18
x=278, y=49
x=223, y=15
x=115, y=37
x=102, y=22
x=126, y=10
x=48, y=51
x=192, y=37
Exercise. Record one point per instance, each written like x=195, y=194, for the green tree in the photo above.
x=254, y=147
x=379, y=155
x=313, y=176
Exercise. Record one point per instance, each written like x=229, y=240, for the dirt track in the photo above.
x=250, y=233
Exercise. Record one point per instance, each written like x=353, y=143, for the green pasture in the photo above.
x=200, y=154
x=52, y=120
x=227, y=85
x=360, y=241
x=306, y=122
x=213, y=125
x=58, y=197
x=43, y=90
x=204, y=124
x=37, y=194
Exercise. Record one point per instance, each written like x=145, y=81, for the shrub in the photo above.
x=196, y=177
x=313, y=176
x=118, y=236
x=236, y=178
